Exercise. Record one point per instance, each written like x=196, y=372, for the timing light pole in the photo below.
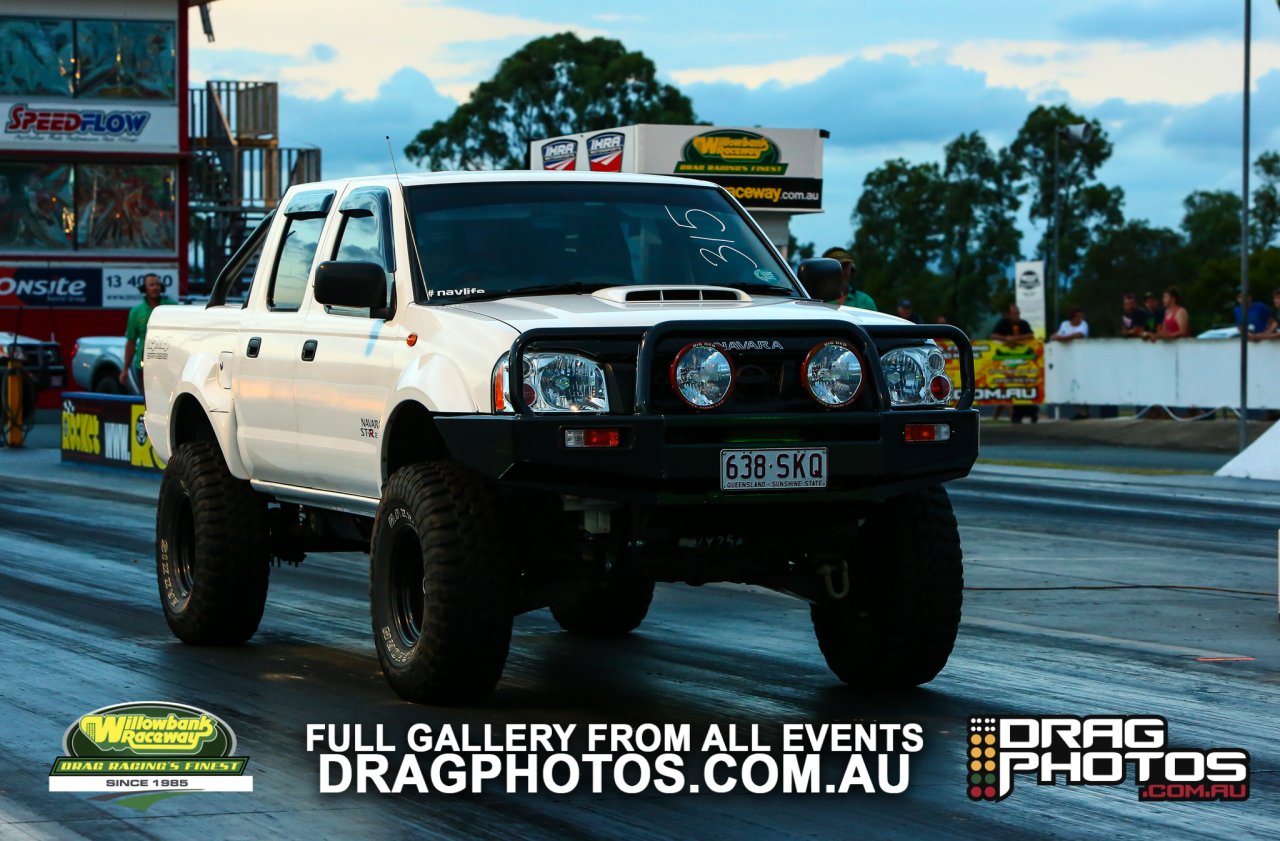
x=1244, y=240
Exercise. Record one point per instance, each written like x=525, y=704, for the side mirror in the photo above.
x=352, y=284
x=822, y=277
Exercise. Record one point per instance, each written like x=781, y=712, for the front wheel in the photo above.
x=212, y=561
x=441, y=585
x=897, y=626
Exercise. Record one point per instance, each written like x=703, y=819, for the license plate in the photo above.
x=773, y=468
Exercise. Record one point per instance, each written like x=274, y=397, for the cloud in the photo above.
x=1183, y=73
x=351, y=132
x=378, y=38
x=786, y=73
x=879, y=103
x=1153, y=21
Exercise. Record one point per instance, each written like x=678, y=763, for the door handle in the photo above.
x=309, y=350
x=255, y=344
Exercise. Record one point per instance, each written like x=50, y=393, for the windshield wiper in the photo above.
x=573, y=287
x=764, y=289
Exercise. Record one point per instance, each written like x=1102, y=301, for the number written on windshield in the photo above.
x=718, y=250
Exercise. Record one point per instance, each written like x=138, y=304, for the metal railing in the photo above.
x=224, y=113
x=233, y=178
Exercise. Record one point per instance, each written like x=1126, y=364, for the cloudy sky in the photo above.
x=887, y=78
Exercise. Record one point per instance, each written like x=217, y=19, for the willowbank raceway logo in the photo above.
x=1099, y=751
x=150, y=748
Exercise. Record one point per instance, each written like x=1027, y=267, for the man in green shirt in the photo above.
x=135, y=333
x=853, y=296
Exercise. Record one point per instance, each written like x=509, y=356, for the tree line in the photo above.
x=944, y=234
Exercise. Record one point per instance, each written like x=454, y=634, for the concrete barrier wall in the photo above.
x=1131, y=372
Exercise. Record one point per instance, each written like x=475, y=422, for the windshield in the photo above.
x=490, y=240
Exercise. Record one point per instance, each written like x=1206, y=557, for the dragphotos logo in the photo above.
x=1099, y=751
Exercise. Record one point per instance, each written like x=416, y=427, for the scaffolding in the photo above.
x=239, y=172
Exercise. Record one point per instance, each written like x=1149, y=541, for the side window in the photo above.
x=365, y=237
x=361, y=239
x=293, y=265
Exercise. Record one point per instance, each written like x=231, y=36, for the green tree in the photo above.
x=979, y=236
x=1086, y=206
x=897, y=237
x=1211, y=223
x=1135, y=257
x=551, y=86
x=1265, y=213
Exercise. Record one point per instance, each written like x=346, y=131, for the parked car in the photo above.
x=97, y=362
x=43, y=360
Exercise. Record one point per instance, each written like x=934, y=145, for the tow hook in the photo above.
x=826, y=571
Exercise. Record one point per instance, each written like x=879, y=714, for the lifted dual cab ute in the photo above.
x=522, y=390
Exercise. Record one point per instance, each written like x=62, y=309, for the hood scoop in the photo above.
x=671, y=294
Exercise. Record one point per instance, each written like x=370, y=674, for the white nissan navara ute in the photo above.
x=519, y=390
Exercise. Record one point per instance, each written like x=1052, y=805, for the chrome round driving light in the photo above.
x=937, y=363
x=702, y=375
x=833, y=374
x=905, y=377
x=940, y=388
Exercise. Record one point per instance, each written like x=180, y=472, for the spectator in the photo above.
x=136, y=331
x=1273, y=326
x=1176, y=323
x=906, y=311
x=1133, y=318
x=853, y=296
x=940, y=319
x=1075, y=327
x=1155, y=312
x=1012, y=328
x=1258, y=314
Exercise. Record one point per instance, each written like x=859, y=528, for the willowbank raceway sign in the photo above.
x=765, y=169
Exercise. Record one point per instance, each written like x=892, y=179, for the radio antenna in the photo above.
x=408, y=220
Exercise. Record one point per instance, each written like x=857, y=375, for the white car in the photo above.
x=519, y=390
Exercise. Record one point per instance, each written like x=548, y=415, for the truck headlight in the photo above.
x=916, y=376
x=833, y=374
x=553, y=382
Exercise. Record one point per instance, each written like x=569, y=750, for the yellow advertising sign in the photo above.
x=1004, y=373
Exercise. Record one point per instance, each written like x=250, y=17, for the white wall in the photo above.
x=1131, y=372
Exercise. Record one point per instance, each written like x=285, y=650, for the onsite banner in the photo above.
x=59, y=125
x=107, y=429
x=1029, y=291
x=1004, y=373
x=111, y=286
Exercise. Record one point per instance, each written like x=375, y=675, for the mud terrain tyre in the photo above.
x=898, y=624
x=609, y=612
x=441, y=584
x=212, y=560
